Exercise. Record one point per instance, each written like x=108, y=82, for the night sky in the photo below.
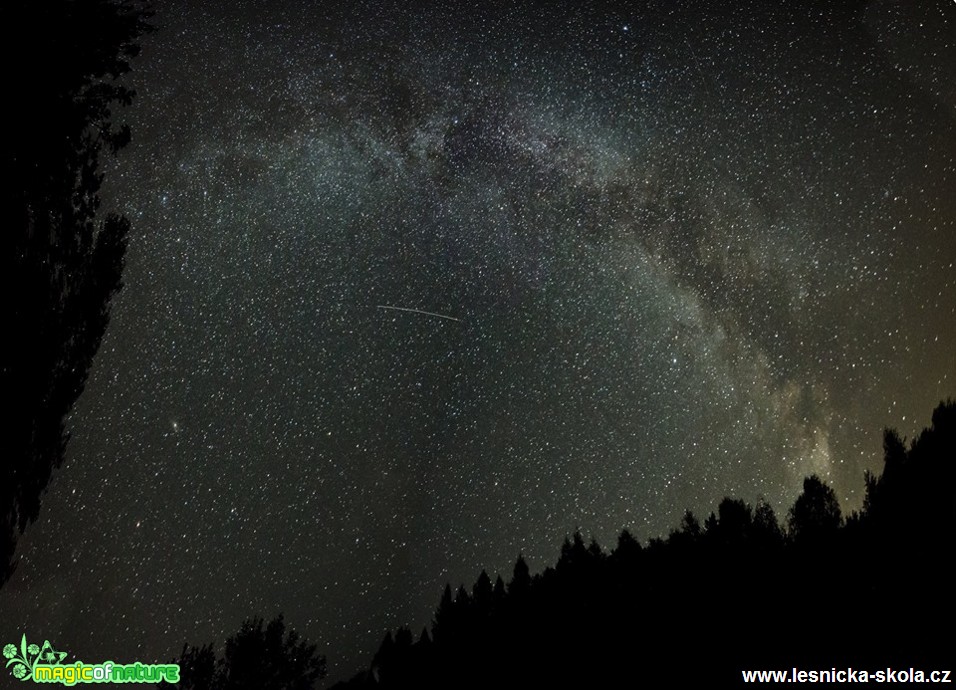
x=688, y=251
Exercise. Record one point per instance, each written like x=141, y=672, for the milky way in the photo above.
x=687, y=253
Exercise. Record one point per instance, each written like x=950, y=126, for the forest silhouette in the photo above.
x=740, y=591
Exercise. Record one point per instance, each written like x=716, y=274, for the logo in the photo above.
x=44, y=664
x=25, y=659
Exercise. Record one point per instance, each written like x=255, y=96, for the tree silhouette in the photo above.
x=443, y=625
x=255, y=658
x=520, y=585
x=816, y=512
x=197, y=668
x=482, y=594
x=911, y=497
x=688, y=533
x=628, y=549
x=766, y=529
x=60, y=265
x=574, y=554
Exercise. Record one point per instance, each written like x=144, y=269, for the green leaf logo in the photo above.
x=25, y=659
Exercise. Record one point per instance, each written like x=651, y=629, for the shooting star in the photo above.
x=419, y=311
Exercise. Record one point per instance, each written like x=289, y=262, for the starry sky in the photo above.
x=689, y=250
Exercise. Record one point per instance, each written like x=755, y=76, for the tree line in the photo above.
x=739, y=590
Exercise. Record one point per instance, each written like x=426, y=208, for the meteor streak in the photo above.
x=419, y=311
